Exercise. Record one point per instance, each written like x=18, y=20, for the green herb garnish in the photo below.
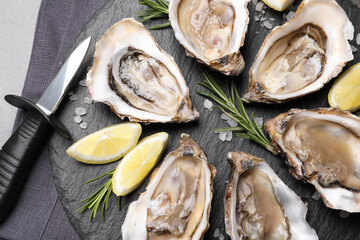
x=101, y=195
x=157, y=9
x=232, y=105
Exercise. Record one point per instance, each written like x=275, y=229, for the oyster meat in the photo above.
x=177, y=200
x=136, y=78
x=212, y=31
x=323, y=148
x=258, y=205
x=302, y=55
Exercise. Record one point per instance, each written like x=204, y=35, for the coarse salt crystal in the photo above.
x=88, y=100
x=256, y=18
x=315, y=196
x=224, y=117
x=229, y=136
x=290, y=15
x=255, y=2
x=83, y=125
x=83, y=83
x=263, y=19
x=77, y=119
x=232, y=123
x=208, y=104
x=80, y=111
x=259, y=121
x=272, y=19
x=216, y=233
x=73, y=97
x=353, y=48
x=221, y=237
x=259, y=6
x=358, y=39
x=222, y=136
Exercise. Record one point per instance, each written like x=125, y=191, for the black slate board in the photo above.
x=70, y=175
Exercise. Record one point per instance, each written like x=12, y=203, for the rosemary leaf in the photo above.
x=157, y=9
x=232, y=105
x=163, y=25
x=101, y=195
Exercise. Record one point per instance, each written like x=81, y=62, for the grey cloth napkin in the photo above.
x=39, y=214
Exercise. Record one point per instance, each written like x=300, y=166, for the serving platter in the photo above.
x=70, y=175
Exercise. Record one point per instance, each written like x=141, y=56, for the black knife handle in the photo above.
x=17, y=157
x=20, y=151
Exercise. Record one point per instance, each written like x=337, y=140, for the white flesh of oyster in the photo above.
x=302, y=55
x=258, y=205
x=177, y=200
x=323, y=148
x=212, y=31
x=136, y=78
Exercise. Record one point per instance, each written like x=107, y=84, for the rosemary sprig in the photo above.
x=233, y=107
x=101, y=195
x=157, y=9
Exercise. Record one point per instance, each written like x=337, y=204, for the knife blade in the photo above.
x=20, y=150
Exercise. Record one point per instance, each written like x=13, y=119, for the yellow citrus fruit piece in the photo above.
x=106, y=145
x=345, y=93
x=138, y=163
x=279, y=5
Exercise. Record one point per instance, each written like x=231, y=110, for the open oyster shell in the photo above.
x=136, y=78
x=212, y=31
x=177, y=200
x=302, y=55
x=258, y=205
x=323, y=148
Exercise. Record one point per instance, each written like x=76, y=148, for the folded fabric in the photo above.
x=39, y=214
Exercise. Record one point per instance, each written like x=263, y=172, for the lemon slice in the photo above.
x=345, y=93
x=279, y=5
x=137, y=164
x=106, y=145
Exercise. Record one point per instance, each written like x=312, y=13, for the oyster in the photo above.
x=258, y=205
x=323, y=148
x=302, y=55
x=136, y=78
x=177, y=200
x=212, y=31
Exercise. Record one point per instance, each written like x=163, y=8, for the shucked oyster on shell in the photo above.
x=258, y=205
x=138, y=79
x=177, y=200
x=323, y=148
x=302, y=55
x=212, y=31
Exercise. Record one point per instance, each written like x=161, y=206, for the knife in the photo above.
x=19, y=152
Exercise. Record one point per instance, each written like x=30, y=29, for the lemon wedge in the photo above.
x=137, y=164
x=345, y=93
x=279, y=5
x=106, y=145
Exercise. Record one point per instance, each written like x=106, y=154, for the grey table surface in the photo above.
x=17, y=34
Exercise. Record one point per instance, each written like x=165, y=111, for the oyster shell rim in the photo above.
x=270, y=127
x=186, y=102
